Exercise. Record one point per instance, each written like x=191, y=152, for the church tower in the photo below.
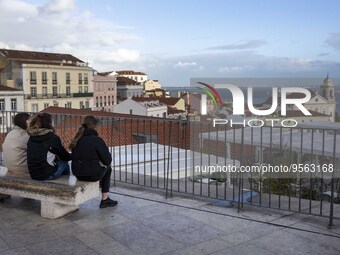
x=327, y=90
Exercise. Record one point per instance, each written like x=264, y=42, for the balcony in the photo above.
x=33, y=82
x=156, y=185
x=83, y=94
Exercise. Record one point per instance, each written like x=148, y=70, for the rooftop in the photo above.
x=165, y=100
x=35, y=57
x=6, y=88
x=121, y=80
x=148, y=223
x=130, y=72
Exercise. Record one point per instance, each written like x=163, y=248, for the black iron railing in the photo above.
x=193, y=158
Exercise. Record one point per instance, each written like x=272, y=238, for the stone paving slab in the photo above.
x=148, y=223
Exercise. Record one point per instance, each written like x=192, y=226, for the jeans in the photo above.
x=104, y=178
x=63, y=169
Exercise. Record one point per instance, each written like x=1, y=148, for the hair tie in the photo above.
x=84, y=125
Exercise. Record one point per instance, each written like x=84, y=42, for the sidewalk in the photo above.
x=147, y=223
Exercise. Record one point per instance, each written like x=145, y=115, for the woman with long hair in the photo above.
x=91, y=159
x=47, y=159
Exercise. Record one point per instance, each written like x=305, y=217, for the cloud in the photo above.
x=245, y=45
x=60, y=26
x=333, y=40
x=58, y=6
x=184, y=64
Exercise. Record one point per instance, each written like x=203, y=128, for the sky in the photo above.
x=173, y=41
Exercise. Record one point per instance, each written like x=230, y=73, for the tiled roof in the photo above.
x=129, y=72
x=5, y=88
x=121, y=80
x=165, y=100
x=34, y=57
x=172, y=110
x=105, y=73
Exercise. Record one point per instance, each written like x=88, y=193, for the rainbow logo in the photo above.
x=212, y=93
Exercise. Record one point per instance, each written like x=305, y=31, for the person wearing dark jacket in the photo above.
x=91, y=159
x=46, y=156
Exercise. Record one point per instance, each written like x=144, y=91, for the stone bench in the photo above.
x=58, y=197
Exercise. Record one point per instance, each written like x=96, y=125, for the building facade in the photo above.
x=145, y=108
x=127, y=88
x=47, y=79
x=11, y=100
x=104, y=92
x=136, y=76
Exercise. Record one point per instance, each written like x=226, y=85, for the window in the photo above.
x=34, y=107
x=80, y=89
x=113, y=100
x=54, y=78
x=130, y=111
x=104, y=100
x=55, y=103
x=87, y=104
x=81, y=105
x=316, y=99
x=108, y=100
x=86, y=89
x=68, y=79
x=44, y=91
x=80, y=78
x=97, y=102
x=2, y=104
x=1, y=121
x=86, y=79
x=68, y=105
x=46, y=105
x=55, y=91
x=13, y=104
x=44, y=77
x=68, y=91
x=33, y=92
x=33, y=77
x=101, y=101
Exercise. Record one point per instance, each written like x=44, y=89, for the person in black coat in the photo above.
x=46, y=156
x=91, y=158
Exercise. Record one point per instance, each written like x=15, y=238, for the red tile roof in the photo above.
x=5, y=88
x=171, y=101
x=34, y=57
x=121, y=80
x=129, y=72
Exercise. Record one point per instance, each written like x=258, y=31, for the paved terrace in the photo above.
x=147, y=223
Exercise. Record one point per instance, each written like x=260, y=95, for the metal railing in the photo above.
x=172, y=155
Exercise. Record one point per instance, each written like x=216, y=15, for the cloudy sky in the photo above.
x=175, y=40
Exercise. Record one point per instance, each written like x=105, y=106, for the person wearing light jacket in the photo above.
x=15, y=147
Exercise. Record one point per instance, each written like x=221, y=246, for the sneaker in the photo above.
x=108, y=203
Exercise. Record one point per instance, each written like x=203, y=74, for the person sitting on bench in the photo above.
x=15, y=147
x=91, y=158
x=47, y=159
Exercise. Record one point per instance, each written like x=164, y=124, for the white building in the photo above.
x=11, y=101
x=322, y=102
x=144, y=108
x=136, y=76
